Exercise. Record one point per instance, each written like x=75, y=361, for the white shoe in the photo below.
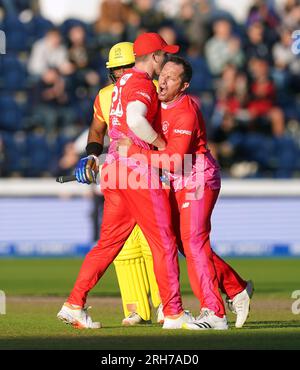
x=240, y=304
x=134, y=319
x=77, y=317
x=207, y=320
x=160, y=315
x=186, y=317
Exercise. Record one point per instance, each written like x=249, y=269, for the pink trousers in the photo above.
x=123, y=209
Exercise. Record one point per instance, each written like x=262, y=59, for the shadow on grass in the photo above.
x=271, y=324
x=180, y=340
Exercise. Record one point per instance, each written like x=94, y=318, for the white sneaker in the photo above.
x=207, y=320
x=160, y=315
x=77, y=317
x=186, y=317
x=240, y=304
x=134, y=319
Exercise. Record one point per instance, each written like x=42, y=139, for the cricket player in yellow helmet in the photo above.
x=134, y=264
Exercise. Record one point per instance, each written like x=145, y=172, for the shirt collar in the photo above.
x=173, y=103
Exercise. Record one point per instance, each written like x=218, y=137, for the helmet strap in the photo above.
x=112, y=76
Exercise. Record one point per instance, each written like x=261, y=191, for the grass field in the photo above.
x=36, y=288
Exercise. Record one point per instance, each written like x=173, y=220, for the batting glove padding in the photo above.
x=87, y=169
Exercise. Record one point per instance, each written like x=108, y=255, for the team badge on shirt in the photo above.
x=165, y=127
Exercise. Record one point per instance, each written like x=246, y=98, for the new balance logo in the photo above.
x=186, y=205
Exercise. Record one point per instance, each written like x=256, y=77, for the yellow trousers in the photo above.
x=134, y=269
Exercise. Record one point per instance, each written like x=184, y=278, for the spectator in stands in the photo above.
x=291, y=14
x=230, y=114
x=151, y=19
x=167, y=10
x=264, y=12
x=223, y=48
x=110, y=26
x=49, y=52
x=202, y=79
x=238, y=99
x=262, y=97
x=133, y=22
x=255, y=44
x=194, y=19
x=231, y=94
x=168, y=33
x=81, y=58
x=51, y=100
x=286, y=64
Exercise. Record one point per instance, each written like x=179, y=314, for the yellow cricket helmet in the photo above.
x=120, y=55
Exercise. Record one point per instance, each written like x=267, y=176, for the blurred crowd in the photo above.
x=246, y=80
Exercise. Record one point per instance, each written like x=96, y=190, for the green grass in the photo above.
x=55, y=277
x=30, y=322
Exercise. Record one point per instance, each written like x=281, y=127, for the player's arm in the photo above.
x=88, y=167
x=178, y=145
x=96, y=135
x=136, y=120
x=140, y=102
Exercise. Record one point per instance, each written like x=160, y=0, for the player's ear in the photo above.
x=184, y=86
x=155, y=58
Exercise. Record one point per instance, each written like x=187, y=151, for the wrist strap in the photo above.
x=94, y=149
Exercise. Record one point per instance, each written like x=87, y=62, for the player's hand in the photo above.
x=123, y=145
x=159, y=143
x=87, y=169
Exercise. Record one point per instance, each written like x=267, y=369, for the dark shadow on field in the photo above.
x=271, y=324
x=232, y=339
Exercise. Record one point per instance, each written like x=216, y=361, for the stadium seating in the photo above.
x=38, y=27
x=14, y=75
x=15, y=145
x=12, y=114
x=17, y=35
x=275, y=157
x=202, y=79
x=38, y=154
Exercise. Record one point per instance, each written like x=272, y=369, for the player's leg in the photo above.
x=133, y=281
x=117, y=225
x=230, y=282
x=153, y=287
x=154, y=217
x=238, y=291
x=154, y=291
x=195, y=229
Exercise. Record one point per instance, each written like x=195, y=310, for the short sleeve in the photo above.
x=143, y=92
x=98, y=115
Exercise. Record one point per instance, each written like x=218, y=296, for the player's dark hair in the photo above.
x=187, y=74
